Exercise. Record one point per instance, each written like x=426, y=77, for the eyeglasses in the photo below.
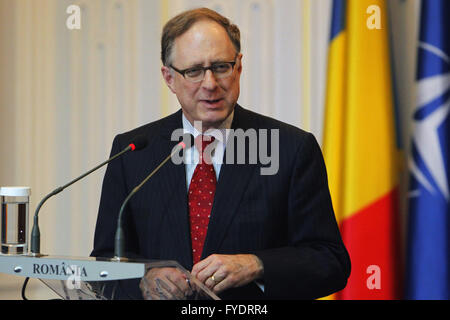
x=220, y=70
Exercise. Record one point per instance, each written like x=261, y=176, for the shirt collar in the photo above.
x=221, y=133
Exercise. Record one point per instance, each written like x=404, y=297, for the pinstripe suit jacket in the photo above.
x=286, y=219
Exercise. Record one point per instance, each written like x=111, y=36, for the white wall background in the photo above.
x=64, y=94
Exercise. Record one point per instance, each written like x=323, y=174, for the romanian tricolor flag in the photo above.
x=360, y=146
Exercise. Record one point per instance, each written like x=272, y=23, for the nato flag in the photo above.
x=428, y=255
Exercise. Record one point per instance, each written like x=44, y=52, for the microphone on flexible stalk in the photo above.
x=119, y=240
x=138, y=143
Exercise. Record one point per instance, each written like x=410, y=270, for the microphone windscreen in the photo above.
x=188, y=139
x=139, y=142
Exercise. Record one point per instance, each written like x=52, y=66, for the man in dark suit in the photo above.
x=252, y=233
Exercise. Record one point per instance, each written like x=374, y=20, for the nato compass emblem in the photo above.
x=430, y=141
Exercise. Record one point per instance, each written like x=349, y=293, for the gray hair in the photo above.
x=181, y=23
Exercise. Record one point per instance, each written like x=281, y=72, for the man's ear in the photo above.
x=239, y=59
x=168, y=78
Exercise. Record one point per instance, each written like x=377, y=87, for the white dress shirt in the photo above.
x=192, y=155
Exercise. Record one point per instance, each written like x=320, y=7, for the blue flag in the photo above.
x=428, y=255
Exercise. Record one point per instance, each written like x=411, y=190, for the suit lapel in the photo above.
x=173, y=184
x=231, y=186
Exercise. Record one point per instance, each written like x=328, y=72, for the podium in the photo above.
x=76, y=278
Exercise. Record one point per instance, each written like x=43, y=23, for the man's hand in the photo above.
x=219, y=272
x=165, y=284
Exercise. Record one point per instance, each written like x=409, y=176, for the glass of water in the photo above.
x=14, y=220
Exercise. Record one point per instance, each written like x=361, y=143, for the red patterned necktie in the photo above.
x=201, y=197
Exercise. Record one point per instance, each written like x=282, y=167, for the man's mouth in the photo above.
x=211, y=102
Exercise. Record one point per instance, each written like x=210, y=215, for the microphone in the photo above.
x=119, y=240
x=138, y=143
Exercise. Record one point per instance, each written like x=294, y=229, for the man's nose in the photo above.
x=209, y=81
